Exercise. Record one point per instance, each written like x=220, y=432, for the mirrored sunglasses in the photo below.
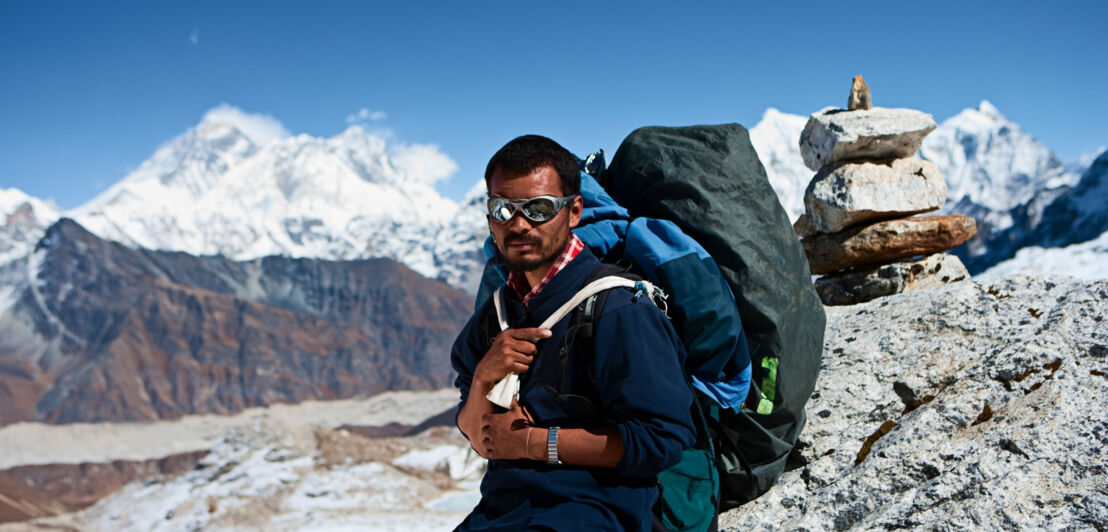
x=537, y=210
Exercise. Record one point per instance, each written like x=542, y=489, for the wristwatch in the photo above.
x=552, y=446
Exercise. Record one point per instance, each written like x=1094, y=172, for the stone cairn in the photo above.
x=859, y=229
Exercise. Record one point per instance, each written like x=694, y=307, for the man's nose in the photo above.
x=519, y=223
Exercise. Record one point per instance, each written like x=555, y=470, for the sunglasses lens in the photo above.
x=540, y=209
x=500, y=209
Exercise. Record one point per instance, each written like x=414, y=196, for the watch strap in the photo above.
x=552, y=446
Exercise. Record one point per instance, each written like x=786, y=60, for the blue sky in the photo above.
x=89, y=90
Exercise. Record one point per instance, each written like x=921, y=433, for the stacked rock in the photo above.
x=859, y=229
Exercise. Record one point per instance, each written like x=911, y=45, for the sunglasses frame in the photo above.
x=518, y=206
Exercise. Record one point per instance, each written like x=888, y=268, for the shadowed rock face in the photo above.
x=103, y=332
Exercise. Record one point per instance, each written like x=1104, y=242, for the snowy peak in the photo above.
x=18, y=207
x=988, y=109
x=260, y=129
x=23, y=219
x=776, y=139
x=991, y=162
x=189, y=165
x=239, y=185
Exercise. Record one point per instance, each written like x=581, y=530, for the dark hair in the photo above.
x=523, y=155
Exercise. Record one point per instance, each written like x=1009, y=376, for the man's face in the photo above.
x=526, y=245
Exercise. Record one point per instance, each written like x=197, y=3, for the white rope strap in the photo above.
x=508, y=387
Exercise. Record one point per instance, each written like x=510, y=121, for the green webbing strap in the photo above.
x=769, y=385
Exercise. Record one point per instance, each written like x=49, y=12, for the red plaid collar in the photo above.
x=518, y=281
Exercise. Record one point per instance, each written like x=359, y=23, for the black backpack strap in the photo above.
x=581, y=332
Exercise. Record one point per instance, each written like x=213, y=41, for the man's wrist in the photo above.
x=536, y=445
x=480, y=388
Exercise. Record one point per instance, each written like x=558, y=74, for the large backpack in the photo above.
x=694, y=211
x=708, y=180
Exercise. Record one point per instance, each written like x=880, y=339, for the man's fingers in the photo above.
x=529, y=333
x=521, y=346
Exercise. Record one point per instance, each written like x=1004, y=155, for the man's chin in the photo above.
x=524, y=265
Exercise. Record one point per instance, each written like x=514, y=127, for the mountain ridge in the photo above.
x=179, y=334
x=216, y=189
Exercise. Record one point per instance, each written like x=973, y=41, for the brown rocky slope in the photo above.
x=103, y=332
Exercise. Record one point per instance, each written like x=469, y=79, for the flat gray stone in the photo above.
x=833, y=135
x=846, y=194
x=861, y=285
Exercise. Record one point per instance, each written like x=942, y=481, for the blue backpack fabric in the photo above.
x=705, y=315
x=700, y=303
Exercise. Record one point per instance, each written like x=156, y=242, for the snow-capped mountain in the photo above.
x=240, y=185
x=1071, y=236
x=775, y=138
x=998, y=174
x=1078, y=215
x=459, y=248
x=23, y=219
x=225, y=188
x=989, y=161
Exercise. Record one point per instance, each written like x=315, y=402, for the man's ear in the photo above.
x=576, y=207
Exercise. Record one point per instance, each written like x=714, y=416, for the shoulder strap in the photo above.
x=499, y=305
x=508, y=387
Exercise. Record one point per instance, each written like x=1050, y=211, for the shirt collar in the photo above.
x=518, y=281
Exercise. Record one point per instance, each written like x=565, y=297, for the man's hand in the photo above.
x=511, y=352
x=504, y=436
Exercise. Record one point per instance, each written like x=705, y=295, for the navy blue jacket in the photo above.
x=637, y=385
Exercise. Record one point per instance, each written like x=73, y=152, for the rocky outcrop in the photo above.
x=102, y=332
x=75, y=486
x=876, y=182
x=19, y=502
x=886, y=241
x=978, y=405
x=850, y=193
x=835, y=135
x=863, y=284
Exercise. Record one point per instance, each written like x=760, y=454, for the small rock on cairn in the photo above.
x=860, y=230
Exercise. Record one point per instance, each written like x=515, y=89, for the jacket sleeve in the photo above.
x=640, y=380
x=466, y=352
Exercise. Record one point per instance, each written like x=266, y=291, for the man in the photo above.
x=581, y=448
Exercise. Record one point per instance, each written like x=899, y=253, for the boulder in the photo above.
x=979, y=406
x=858, y=286
x=886, y=241
x=802, y=227
x=832, y=135
x=846, y=194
